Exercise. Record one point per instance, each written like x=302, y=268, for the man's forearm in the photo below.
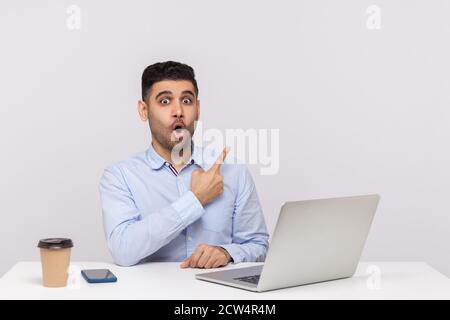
x=247, y=252
x=133, y=240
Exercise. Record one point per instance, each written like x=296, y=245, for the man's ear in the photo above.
x=143, y=110
x=198, y=109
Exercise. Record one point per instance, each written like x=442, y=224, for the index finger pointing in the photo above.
x=221, y=158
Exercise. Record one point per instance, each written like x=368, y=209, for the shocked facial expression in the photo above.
x=171, y=107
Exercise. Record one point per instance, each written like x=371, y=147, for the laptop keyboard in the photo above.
x=250, y=279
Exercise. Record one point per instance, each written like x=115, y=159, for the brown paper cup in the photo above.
x=55, y=260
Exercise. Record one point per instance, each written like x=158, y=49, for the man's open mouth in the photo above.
x=178, y=130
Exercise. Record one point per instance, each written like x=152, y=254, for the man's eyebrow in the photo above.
x=189, y=92
x=163, y=92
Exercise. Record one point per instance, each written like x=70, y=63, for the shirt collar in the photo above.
x=156, y=161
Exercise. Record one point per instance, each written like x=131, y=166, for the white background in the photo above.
x=359, y=110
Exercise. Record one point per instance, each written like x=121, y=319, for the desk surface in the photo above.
x=374, y=280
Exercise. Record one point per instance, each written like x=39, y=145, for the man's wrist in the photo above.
x=226, y=253
x=200, y=199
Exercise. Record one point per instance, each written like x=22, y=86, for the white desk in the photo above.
x=397, y=280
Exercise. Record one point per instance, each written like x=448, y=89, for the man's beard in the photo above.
x=164, y=137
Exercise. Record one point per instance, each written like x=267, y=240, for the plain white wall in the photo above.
x=359, y=110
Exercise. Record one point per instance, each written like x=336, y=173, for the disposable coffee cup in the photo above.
x=55, y=259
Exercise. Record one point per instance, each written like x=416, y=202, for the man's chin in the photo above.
x=180, y=140
x=182, y=143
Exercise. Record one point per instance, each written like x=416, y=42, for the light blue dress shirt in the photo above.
x=150, y=214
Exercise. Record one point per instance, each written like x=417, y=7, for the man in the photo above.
x=177, y=201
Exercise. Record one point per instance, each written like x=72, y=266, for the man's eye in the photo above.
x=187, y=100
x=165, y=101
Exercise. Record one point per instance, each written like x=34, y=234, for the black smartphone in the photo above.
x=98, y=275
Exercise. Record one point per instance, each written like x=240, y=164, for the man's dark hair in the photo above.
x=169, y=70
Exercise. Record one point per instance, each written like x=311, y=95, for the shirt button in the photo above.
x=189, y=238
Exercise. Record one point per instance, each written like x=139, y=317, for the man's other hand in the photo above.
x=206, y=256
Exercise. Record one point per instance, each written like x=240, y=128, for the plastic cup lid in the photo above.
x=55, y=243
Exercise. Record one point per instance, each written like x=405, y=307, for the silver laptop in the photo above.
x=313, y=241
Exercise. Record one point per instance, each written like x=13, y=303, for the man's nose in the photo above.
x=178, y=112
